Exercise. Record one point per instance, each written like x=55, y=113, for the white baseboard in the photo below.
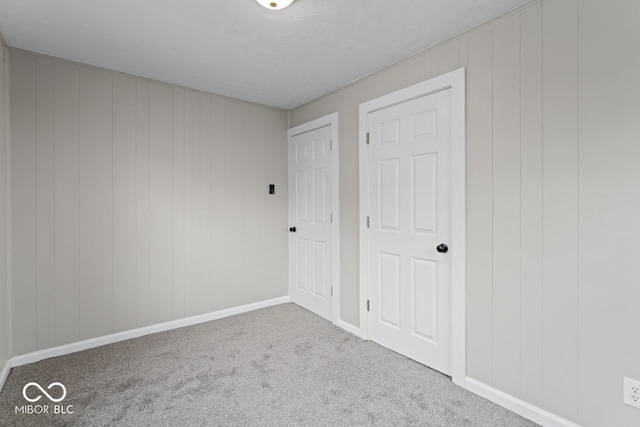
x=527, y=410
x=4, y=373
x=348, y=327
x=520, y=407
x=24, y=359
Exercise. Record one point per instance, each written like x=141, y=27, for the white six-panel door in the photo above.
x=310, y=220
x=409, y=193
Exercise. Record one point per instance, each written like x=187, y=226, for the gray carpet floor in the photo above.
x=279, y=366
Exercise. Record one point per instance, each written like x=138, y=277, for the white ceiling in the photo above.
x=238, y=48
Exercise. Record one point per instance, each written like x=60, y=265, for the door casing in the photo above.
x=328, y=120
x=454, y=80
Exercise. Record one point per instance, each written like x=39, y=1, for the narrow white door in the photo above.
x=310, y=220
x=409, y=173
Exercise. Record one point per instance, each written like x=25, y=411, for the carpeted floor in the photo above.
x=279, y=366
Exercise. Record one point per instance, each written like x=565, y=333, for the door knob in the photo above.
x=442, y=248
x=292, y=229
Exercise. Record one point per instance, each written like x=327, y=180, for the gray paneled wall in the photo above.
x=553, y=177
x=4, y=209
x=136, y=202
x=608, y=208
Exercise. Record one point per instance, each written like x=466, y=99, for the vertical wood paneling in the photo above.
x=178, y=204
x=383, y=84
x=4, y=207
x=263, y=144
x=142, y=200
x=254, y=194
x=205, y=204
x=480, y=205
x=67, y=256
x=96, y=202
x=404, y=74
x=430, y=64
x=506, y=204
x=192, y=200
x=218, y=191
x=531, y=209
x=448, y=56
x=124, y=203
x=276, y=210
x=260, y=142
x=235, y=175
x=45, y=179
x=463, y=51
x=350, y=217
x=23, y=201
x=120, y=191
x=160, y=199
x=560, y=207
x=218, y=266
x=609, y=185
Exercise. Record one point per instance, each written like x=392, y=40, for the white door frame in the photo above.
x=328, y=120
x=455, y=81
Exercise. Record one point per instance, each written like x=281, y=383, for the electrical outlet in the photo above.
x=631, y=392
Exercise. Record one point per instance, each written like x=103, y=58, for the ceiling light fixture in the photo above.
x=275, y=4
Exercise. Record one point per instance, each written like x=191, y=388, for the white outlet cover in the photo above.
x=631, y=392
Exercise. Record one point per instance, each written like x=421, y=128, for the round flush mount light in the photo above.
x=275, y=4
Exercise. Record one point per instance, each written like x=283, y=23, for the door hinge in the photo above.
x=331, y=218
x=368, y=305
x=368, y=221
x=331, y=290
x=330, y=145
x=367, y=138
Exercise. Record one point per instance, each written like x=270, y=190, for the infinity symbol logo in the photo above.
x=64, y=392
